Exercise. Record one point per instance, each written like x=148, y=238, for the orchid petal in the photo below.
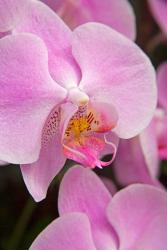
x=42, y=21
x=148, y=142
x=162, y=84
x=38, y=175
x=115, y=70
x=27, y=95
x=163, y=153
x=117, y=14
x=133, y=211
x=78, y=192
x=109, y=185
x=105, y=114
x=155, y=234
x=71, y=231
x=159, y=10
x=161, y=132
x=132, y=160
x=2, y=34
x=54, y=4
x=10, y=13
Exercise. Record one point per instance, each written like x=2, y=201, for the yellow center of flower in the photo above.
x=79, y=125
x=80, y=141
x=81, y=122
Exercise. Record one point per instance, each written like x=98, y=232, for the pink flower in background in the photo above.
x=140, y=157
x=117, y=14
x=162, y=115
x=109, y=185
x=64, y=93
x=159, y=10
x=90, y=219
x=137, y=159
x=160, y=120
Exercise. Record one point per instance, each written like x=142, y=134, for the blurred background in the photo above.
x=21, y=219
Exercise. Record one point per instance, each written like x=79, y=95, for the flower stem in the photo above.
x=21, y=225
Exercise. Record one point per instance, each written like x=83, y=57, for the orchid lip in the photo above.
x=79, y=140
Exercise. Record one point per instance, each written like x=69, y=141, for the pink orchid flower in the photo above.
x=117, y=14
x=77, y=12
x=140, y=157
x=162, y=117
x=64, y=93
x=159, y=10
x=91, y=219
x=137, y=159
x=109, y=185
